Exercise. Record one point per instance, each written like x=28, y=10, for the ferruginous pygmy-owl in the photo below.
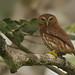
x=54, y=36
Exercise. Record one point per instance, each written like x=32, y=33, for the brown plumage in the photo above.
x=54, y=36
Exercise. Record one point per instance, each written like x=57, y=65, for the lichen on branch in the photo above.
x=15, y=60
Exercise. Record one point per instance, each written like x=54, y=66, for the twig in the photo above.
x=19, y=28
x=58, y=71
x=10, y=36
x=12, y=46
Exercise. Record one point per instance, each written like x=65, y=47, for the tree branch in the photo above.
x=56, y=70
x=19, y=59
x=9, y=35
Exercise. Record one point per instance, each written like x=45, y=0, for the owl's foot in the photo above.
x=53, y=53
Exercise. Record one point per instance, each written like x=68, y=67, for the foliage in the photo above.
x=3, y=26
x=18, y=37
x=31, y=26
x=71, y=28
x=16, y=27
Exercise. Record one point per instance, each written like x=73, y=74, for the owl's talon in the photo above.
x=53, y=53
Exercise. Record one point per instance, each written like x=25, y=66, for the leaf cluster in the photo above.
x=16, y=27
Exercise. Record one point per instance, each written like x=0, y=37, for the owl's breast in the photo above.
x=48, y=42
x=54, y=43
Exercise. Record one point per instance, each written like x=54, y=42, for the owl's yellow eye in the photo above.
x=43, y=19
x=50, y=19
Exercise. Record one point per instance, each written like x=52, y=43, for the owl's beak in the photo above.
x=47, y=23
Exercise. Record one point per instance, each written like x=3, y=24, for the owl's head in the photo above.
x=47, y=20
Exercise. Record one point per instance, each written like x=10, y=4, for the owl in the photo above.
x=53, y=36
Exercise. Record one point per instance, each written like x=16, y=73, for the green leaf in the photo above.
x=17, y=22
x=18, y=37
x=71, y=28
x=11, y=25
x=23, y=22
x=30, y=26
x=3, y=26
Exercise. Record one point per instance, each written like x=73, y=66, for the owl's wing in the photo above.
x=59, y=33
